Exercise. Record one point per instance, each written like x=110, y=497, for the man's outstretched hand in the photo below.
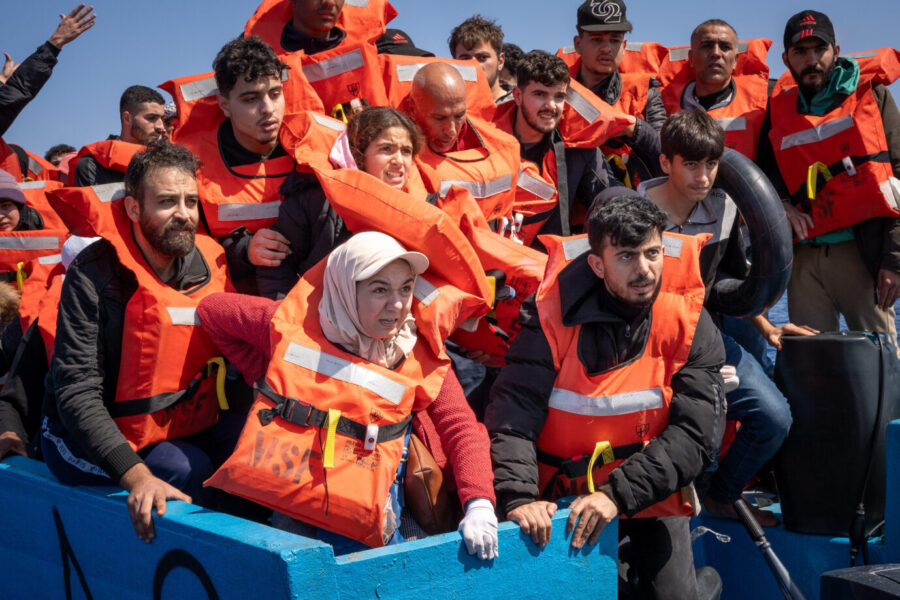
x=72, y=25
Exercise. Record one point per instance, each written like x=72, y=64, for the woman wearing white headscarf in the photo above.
x=367, y=293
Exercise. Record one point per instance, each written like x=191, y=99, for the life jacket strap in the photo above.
x=819, y=174
x=578, y=466
x=307, y=415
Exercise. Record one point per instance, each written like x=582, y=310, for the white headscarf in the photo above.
x=358, y=259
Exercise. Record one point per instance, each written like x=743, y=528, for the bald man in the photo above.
x=462, y=149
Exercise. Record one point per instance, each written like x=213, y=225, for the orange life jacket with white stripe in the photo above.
x=36, y=197
x=40, y=301
x=39, y=169
x=231, y=196
x=837, y=165
x=163, y=391
x=9, y=161
x=326, y=433
x=111, y=154
x=594, y=423
x=489, y=172
x=742, y=118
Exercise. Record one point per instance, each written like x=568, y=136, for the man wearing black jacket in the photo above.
x=609, y=294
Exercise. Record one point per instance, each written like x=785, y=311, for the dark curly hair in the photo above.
x=693, y=135
x=543, y=68
x=368, y=124
x=473, y=31
x=158, y=155
x=623, y=221
x=250, y=58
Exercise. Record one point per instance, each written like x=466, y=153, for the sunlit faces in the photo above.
x=601, y=51
x=713, y=55
x=811, y=62
x=631, y=274
x=256, y=109
x=540, y=106
x=441, y=117
x=316, y=18
x=690, y=180
x=9, y=215
x=389, y=157
x=167, y=214
x=144, y=124
x=384, y=300
x=486, y=56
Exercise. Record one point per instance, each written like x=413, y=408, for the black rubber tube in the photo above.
x=770, y=240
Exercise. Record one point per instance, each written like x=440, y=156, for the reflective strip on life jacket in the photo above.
x=183, y=315
x=818, y=133
x=244, y=212
x=732, y=123
x=407, y=72
x=605, y=406
x=341, y=369
x=108, y=192
x=479, y=189
x=50, y=242
x=333, y=66
x=535, y=186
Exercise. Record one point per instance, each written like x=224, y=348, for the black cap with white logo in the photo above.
x=603, y=15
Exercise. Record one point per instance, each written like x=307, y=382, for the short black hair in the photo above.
x=158, y=155
x=693, y=135
x=623, y=221
x=543, y=68
x=473, y=31
x=138, y=94
x=512, y=54
x=250, y=58
x=711, y=23
x=57, y=151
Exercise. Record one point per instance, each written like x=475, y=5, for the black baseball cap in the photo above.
x=808, y=23
x=396, y=41
x=603, y=15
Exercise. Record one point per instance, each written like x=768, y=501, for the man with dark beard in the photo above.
x=538, y=102
x=141, y=112
x=129, y=400
x=613, y=382
x=834, y=155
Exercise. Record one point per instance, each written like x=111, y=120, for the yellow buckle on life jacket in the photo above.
x=605, y=452
x=492, y=286
x=218, y=363
x=331, y=423
x=21, y=276
x=812, y=178
x=344, y=111
x=617, y=160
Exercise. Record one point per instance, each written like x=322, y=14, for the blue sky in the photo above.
x=150, y=42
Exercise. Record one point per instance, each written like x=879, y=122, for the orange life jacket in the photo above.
x=40, y=169
x=837, y=165
x=9, y=161
x=23, y=252
x=399, y=71
x=239, y=196
x=325, y=435
x=360, y=19
x=490, y=172
x=614, y=414
x=455, y=288
x=742, y=118
x=163, y=392
x=111, y=154
x=36, y=197
x=40, y=301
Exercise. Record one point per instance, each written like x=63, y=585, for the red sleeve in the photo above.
x=463, y=440
x=239, y=325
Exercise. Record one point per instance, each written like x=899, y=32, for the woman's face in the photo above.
x=389, y=157
x=384, y=300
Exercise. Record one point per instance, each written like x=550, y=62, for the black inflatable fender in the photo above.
x=770, y=240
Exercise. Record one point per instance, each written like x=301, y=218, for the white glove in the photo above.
x=479, y=529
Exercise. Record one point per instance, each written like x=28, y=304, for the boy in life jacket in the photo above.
x=580, y=173
x=692, y=143
x=141, y=111
x=617, y=362
x=840, y=191
x=481, y=39
x=131, y=403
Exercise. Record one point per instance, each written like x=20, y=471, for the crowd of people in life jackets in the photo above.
x=337, y=262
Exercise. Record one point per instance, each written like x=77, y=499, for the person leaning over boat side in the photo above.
x=851, y=267
x=364, y=313
x=380, y=141
x=141, y=111
x=482, y=40
x=120, y=296
x=611, y=329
